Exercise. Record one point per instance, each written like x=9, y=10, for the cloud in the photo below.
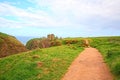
x=63, y=13
x=9, y=23
x=80, y=8
x=35, y=18
x=83, y=13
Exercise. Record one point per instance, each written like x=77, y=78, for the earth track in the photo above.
x=89, y=65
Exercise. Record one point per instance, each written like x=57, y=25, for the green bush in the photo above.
x=116, y=69
x=56, y=43
x=70, y=41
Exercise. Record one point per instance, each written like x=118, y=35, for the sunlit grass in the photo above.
x=40, y=64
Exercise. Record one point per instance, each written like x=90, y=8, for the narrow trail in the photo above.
x=89, y=65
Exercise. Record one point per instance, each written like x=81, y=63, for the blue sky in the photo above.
x=64, y=18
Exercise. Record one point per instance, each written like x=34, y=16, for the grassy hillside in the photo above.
x=40, y=64
x=10, y=45
x=110, y=49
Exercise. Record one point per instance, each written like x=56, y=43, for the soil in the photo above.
x=89, y=65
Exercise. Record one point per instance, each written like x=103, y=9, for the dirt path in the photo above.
x=89, y=65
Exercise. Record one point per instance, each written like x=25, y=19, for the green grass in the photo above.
x=40, y=64
x=52, y=63
x=110, y=49
x=8, y=38
x=3, y=34
x=10, y=45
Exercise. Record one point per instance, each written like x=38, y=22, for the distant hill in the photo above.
x=10, y=45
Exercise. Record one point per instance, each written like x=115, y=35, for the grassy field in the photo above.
x=110, y=49
x=40, y=64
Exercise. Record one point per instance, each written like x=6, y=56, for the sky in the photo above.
x=64, y=18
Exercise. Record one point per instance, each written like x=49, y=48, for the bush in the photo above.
x=70, y=41
x=56, y=43
x=116, y=69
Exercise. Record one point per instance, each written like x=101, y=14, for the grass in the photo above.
x=110, y=49
x=3, y=34
x=40, y=64
x=8, y=38
x=10, y=45
x=52, y=63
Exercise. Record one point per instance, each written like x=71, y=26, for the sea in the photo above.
x=24, y=39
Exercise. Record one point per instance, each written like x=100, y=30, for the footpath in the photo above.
x=89, y=65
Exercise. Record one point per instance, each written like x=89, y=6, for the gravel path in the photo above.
x=89, y=65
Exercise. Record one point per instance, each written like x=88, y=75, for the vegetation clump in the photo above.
x=72, y=41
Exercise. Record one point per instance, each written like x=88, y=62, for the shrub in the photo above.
x=70, y=41
x=116, y=69
x=109, y=54
x=56, y=43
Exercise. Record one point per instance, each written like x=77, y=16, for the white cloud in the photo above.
x=80, y=8
x=9, y=23
x=35, y=18
x=63, y=12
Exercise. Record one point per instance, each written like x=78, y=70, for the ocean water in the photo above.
x=24, y=39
